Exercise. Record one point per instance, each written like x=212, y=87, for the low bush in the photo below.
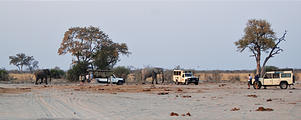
x=3, y=75
x=57, y=73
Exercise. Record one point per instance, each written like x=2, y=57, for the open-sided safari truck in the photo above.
x=184, y=77
x=279, y=77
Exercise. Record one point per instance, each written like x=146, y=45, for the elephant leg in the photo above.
x=41, y=80
x=46, y=81
x=37, y=80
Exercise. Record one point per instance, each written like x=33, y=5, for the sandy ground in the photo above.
x=206, y=101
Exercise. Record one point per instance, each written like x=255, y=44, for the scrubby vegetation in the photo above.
x=77, y=70
x=3, y=75
x=57, y=73
x=122, y=71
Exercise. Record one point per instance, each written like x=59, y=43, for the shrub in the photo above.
x=3, y=75
x=57, y=73
x=77, y=70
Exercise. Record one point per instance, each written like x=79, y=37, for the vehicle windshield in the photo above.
x=188, y=75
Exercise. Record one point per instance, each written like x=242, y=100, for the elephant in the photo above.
x=43, y=75
x=152, y=72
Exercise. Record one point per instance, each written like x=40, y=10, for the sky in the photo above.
x=195, y=34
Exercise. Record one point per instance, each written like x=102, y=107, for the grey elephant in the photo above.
x=152, y=72
x=43, y=74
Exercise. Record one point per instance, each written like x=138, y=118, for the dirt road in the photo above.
x=147, y=102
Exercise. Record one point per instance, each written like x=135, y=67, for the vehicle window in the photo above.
x=285, y=75
x=276, y=75
x=188, y=75
x=177, y=73
x=268, y=76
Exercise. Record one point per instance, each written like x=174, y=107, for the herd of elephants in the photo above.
x=44, y=74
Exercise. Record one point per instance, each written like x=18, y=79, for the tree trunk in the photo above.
x=258, y=63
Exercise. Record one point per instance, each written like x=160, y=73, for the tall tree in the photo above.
x=20, y=60
x=92, y=46
x=259, y=38
x=108, y=55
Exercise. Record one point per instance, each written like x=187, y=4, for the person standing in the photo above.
x=249, y=81
x=87, y=77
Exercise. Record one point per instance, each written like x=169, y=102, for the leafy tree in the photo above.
x=260, y=38
x=121, y=71
x=108, y=55
x=82, y=42
x=20, y=60
x=91, y=46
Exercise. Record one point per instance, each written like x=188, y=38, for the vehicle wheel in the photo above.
x=264, y=87
x=196, y=83
x=186, y=82
x=256, y=85
x=177, y=83
x=283, y=85
x=119, y=83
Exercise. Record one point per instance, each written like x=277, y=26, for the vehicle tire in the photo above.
x=119, y=83
x=186, y=82
x=264, y=87
x=177, y=83
x=196, y=83
x=283, y=85
x=257, y=84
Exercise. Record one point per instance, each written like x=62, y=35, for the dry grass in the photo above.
x=23, y=77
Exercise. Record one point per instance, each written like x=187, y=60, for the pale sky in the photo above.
x=162, y=33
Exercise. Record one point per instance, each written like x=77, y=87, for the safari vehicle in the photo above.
x=107, y=76
x=280, y=77
x=184, y=77
x=112, y=78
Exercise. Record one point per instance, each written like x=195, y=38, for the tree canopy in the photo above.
x=259, y=38
x=91, y=46
x=21, y=60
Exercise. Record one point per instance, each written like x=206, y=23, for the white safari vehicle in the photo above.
x=280, y=77
x=112, y=79
x=184, y=77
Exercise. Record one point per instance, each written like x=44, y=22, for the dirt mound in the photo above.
x=253, y=96
x=235, y=109
x=264, y=109
x=174, y=114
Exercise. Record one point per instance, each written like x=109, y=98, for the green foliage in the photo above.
x=57, y=73
x=3, y=75
x=77, y=70
x=121, y=71
x=108, y=55
x=92, y=45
